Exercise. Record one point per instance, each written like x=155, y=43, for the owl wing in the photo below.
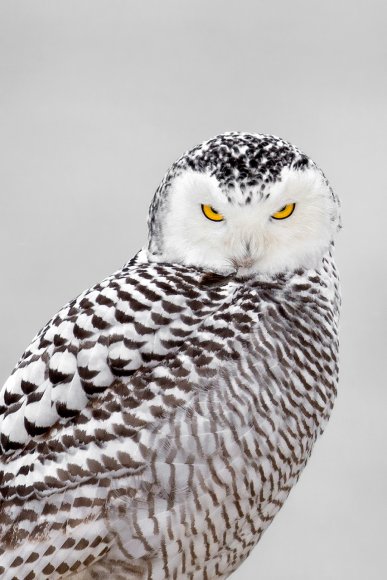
x=113, y=460
x=133, y=319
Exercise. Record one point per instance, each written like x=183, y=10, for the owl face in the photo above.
x=261, y=209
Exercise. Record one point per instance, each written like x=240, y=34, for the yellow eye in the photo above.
x=285, y=212
x=212, y=214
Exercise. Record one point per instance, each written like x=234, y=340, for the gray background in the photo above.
x=97, y=98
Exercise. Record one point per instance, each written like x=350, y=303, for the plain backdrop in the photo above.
x=98, y=97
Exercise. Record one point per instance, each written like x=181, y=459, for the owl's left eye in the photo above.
x=212, y=214
x=285, y=212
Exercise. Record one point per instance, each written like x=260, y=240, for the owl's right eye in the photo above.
x=212, y=214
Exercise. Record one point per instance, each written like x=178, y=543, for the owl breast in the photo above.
x=261, y=381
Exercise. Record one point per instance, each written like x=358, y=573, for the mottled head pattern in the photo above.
x=244, y=160
x=235, y=170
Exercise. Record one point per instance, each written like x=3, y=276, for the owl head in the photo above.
x=243, y=202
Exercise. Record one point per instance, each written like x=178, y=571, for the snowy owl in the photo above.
x=155, y=426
